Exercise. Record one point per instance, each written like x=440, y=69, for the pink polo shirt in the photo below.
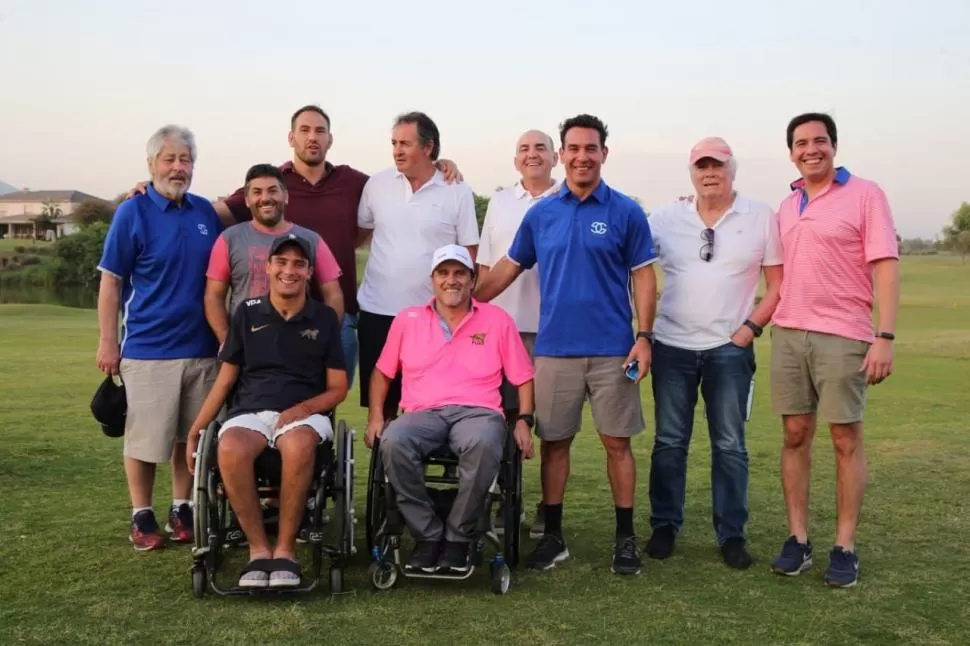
x=828, y=244
x=464, y=371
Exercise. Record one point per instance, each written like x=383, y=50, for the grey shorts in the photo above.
x=510, y=393
x=562, y=384
x=164, y=398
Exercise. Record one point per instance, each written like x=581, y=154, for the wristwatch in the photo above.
x=645, y=335
x=529, y=420
x=886, y=335
x=754, y=327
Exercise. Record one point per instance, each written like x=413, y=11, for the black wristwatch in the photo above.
x=886, y=335
x=754, y=327
x=529, y=420
x=645, y=335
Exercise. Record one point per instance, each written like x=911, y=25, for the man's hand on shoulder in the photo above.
x=450, y=170
x=140, y=189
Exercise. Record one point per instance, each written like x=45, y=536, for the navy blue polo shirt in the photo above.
x=160, y=251
x=586, y=251
x=282, y=362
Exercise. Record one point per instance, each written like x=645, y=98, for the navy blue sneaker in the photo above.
x=794, y=559
x=843, y=569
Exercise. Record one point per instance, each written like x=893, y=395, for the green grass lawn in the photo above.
x=69, y=575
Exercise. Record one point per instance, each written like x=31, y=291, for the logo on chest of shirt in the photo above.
x=479, y=339
x=203, y=230
x=310, y=334
x=598, y=228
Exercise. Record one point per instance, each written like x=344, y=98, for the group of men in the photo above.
x=559, y=307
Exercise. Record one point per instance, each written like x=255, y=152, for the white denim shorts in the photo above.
x=264, y=422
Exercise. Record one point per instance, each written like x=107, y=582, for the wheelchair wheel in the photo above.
x=382, y=574
x=199, y=583
x=501, y=578
x=344, y=485
x=375, y=498
x=512, y=503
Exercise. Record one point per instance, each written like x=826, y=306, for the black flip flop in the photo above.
x=256, y=565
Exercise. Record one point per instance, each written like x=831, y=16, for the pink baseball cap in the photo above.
x=713, y=147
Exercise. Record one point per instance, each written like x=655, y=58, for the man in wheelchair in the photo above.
x=452, y=354
x=283, y=364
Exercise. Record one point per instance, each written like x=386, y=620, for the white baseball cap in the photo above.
x=452, y=252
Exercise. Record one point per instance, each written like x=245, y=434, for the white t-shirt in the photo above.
x=408, y=227
x=704, y=303
x=506, y=208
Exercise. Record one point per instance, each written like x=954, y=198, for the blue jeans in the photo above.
x=348, y=340
x=724, y=376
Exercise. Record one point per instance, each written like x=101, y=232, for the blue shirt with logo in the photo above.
x=586, y=251
x=160, y=251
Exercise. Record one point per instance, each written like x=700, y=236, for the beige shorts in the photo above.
x=562, y=385
x=510, y=393
x=814, y=372
x=164, y=398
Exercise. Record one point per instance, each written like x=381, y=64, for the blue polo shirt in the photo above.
x=586, y=252
x=160, y=251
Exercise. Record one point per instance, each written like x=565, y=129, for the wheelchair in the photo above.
x=385, y=526
x=333, y=480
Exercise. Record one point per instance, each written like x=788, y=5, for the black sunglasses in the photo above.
x=707, y=251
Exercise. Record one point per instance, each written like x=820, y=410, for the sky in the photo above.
x=87, y=83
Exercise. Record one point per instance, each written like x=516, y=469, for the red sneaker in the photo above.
x=144, y=534
x=181, y=524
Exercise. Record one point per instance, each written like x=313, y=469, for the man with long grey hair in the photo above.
x=153, y=274
x=713, y=249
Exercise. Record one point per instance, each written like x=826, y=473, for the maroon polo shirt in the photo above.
x=329, y=208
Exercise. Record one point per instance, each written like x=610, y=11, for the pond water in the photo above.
x=39, y=295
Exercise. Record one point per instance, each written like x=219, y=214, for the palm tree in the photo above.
x=47, y=219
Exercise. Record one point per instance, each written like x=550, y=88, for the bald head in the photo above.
x=535, y=156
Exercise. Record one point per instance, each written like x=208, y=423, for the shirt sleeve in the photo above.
x=639, y=249
x=237, y=206
x=325, y=267
x=522, y=251
x=219, y=261
x=878, y=228
x=232, y=350
x=773, y=252
x=467, y=221
x=485, y=258
x=515, y=358
x=390, y=360
x=365, y=214
x=121, y=244
x=334, y=351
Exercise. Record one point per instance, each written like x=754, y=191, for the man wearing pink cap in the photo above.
x=712, y=249
x=840, y=248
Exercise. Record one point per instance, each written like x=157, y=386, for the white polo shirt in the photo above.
x=408, y=226
x=506, y=208
x=704, y=303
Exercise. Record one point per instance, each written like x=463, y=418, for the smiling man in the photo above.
x=409, y=211
x=590, y=242
x=535, y=157
x=282, y=371
x=713, y=250
x=838, y=239
x=154, y=261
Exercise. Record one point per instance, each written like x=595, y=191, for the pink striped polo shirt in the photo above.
x=828, y=244
x=465, y=370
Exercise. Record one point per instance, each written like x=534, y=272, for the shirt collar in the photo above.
x=520, y=191
x=740, y=204
x=163, y=203
x=309, y=309
x=438, y=178
x=842, y=176
x=600, y=193
x=287, y=167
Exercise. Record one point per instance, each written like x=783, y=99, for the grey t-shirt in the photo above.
x=240, y=254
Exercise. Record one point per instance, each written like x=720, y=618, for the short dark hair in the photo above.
x=808, y=117
x=427, y=130
x=309, y=108
x=265, y=170
x=583, y=121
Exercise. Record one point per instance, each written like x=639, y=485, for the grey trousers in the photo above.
x=475, y=435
